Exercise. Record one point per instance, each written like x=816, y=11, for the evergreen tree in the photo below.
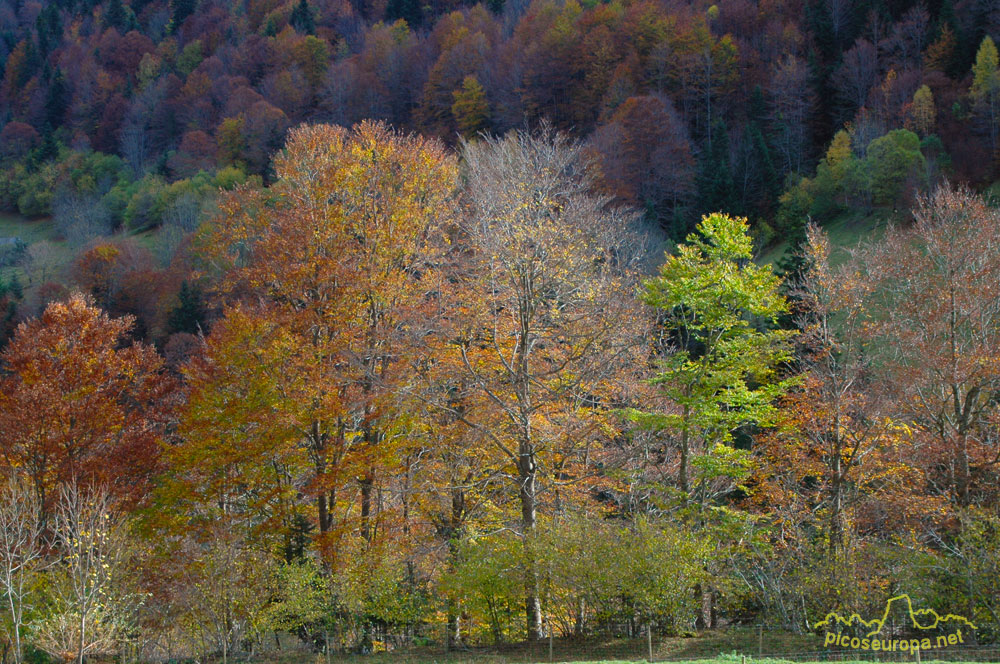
x=56, y=101
x=49, y=27
x=11, y=293
x=302, y=18
x=408, y=10
x=32, y=63
x=715, y=181
x=48, y=149
x=766, y=185
x=820, y=24
x=190, y=312
x=115, y=16
x=181, y=10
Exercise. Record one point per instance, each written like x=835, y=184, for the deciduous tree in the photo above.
x=721, y=369
x=548, y=321
x=79, y=405
x=341, y=251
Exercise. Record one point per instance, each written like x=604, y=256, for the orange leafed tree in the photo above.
x=77, y=404
x=237, y=456
x=341, y=252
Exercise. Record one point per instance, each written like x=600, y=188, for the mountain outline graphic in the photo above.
x=879, y=623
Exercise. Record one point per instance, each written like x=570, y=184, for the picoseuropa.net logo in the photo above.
x=921, y=619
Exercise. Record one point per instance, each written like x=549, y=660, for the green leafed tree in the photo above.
x=471, y=108
x=896, y=165
x=985, y=90
x=720, y=371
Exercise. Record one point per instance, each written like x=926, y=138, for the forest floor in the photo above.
x=428, y=657
x=716, y=647
x=735, y=645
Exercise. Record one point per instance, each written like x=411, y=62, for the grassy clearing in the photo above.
x=51, y=263
x=724, y=646
x=29, y=230
x=845, y=232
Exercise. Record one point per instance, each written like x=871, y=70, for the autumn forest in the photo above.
x=350, y=326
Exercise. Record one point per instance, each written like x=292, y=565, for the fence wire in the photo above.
x=648, y=649
x=735, y=646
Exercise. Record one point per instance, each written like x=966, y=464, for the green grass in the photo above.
x=29, y=230
x=845, y=232
x=723, y=646
x=57, y=260
x=540, y=658
x=706, y=648
x=34, y=231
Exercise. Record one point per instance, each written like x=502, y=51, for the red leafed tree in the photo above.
x=645, y=155
x=17, y=138
x=77, y=404
x=936, y=288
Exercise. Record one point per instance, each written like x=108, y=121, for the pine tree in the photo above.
x=767, y=184
x=715, y=181
x=181, y=9
x=56, y=101
x=31, y=63
x=47, y=150
x=408, y=10
x=115, y=16
x=11, y=293
x=302, y=18
x=471, y=109
x=49, y=27
x=190, y=312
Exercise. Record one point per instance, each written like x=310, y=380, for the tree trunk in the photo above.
x=366, y=507
x=579, y=621
x=80, y=640
x=532, y=605
x=836, y=504
x=324, y=516
x=15, y=623
x=453, y=637
x=685, y=450
x=453, y=529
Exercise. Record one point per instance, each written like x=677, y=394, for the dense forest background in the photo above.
x=130, y=116
x=688, y=107
x=353, y=321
